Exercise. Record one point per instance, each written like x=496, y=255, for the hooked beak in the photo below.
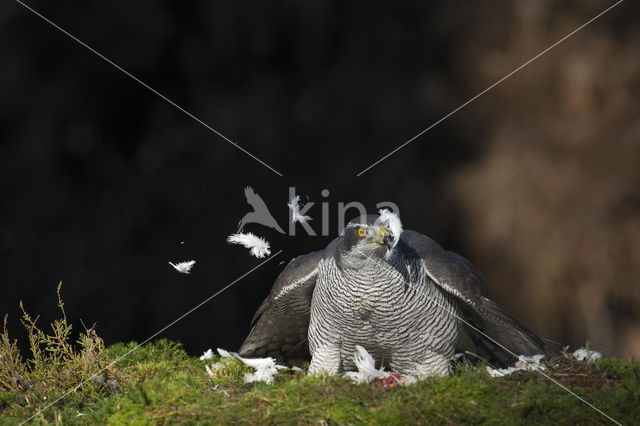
x=385, y=238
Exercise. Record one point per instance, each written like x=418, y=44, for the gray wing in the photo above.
x=457, y=276
x=280, y=325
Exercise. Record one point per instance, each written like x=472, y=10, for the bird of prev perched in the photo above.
x=398, y=294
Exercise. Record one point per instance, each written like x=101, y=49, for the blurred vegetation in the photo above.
x=160, y=383
x=550, y=210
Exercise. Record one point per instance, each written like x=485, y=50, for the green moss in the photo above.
x=163, y=384
x=160, y=383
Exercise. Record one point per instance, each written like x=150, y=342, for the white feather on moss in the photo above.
x=588, y=355
x=257, y=246
x=524, y=363
x=212, y=368
x=207, y=355
x=366, y=365
x=265, y=368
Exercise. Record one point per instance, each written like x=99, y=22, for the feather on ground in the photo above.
x=367, y=371
x=524, y=363
x=264, y=368
x=588, y=355
x=207, y=355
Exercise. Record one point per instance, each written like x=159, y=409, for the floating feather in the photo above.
x=296, y=216
x=184, y=267
x=258, y=246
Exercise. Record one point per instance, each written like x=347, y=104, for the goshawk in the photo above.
x=408, y=302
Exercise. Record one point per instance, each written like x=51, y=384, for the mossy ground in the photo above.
x=160, y=383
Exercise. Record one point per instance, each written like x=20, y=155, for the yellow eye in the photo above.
x=362, y=232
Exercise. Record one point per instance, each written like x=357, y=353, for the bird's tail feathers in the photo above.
x=502, y=338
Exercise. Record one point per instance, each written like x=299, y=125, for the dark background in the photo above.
x=537, y=182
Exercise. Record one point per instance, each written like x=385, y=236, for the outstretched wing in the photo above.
x=280, y=325
x=457, y=276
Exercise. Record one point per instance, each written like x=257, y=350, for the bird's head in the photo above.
x=373, y=236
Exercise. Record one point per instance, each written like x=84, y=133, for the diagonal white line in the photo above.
x=492, y=86
x=153, y=336
x=534, y=365
x=536, y=368
x=148, y=87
